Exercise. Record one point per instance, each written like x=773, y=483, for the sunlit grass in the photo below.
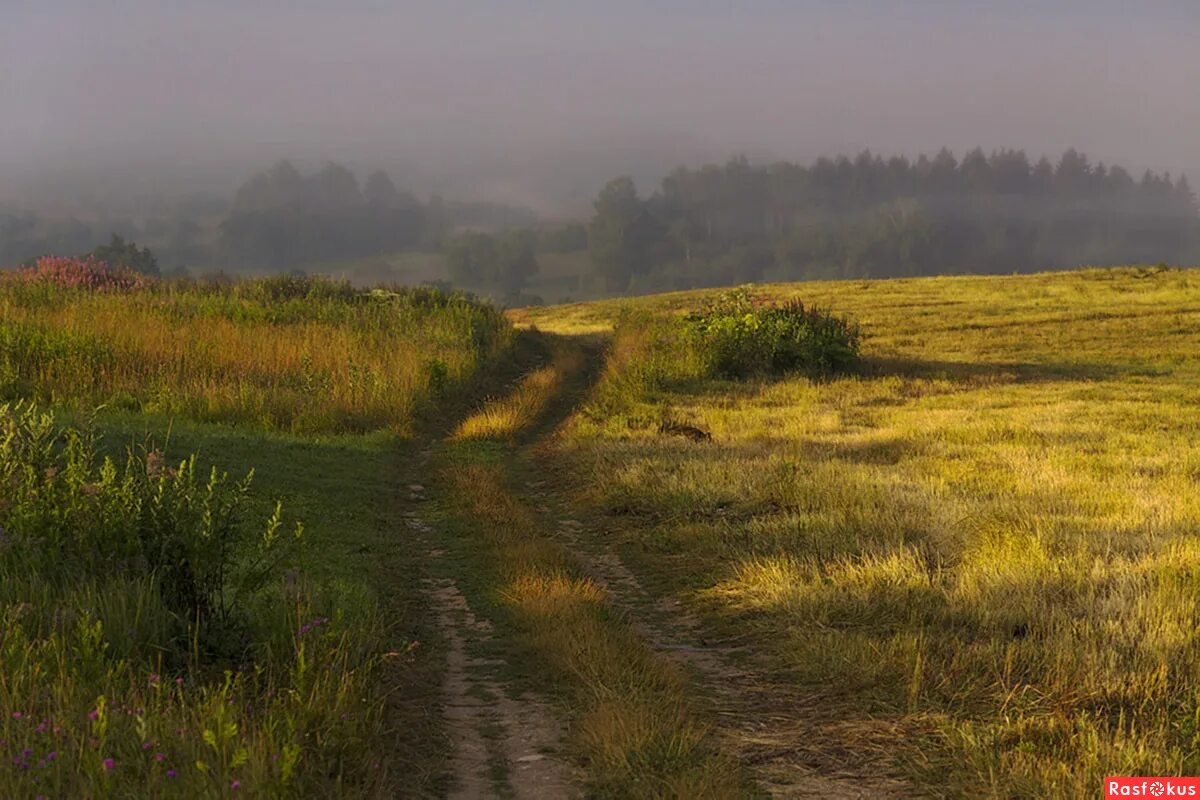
x=502, y=418
x=632, y=723
x=987, y=533
x=304, y=356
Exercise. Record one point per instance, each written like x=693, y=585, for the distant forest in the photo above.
x=714, y=225
x=279, y=219
x=871, y=217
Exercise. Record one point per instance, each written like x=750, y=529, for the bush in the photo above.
x=65, y=513
x=143, y=653
x=123, y=255
x=738, y=340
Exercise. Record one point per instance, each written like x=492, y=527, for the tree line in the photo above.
x=279, y=219
x=875, y=217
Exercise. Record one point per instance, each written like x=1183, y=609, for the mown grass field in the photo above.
x=978, y=552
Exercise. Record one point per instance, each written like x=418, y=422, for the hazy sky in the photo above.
x=540, y=101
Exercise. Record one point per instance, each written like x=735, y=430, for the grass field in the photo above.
x=966, y=566
x=986, y=537
x=168, y=631
x=307, y=356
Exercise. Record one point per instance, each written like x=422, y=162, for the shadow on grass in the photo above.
x=977, y=373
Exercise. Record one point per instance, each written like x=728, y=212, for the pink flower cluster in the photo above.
x=82, y=273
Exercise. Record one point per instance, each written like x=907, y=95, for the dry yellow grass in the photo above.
x=325, y=360
x=987, y=534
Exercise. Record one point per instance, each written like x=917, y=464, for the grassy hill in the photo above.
x=567, y=557
x=976, y=554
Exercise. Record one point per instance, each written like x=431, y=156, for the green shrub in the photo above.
x=65, y=513
x=738, y=340
x=143, y=650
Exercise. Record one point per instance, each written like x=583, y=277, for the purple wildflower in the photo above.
x=313, y=623
x=108, y=764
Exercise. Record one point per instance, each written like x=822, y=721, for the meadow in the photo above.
x=287, y=538
x=974, y=555
x=295, y=354
x=201, y=592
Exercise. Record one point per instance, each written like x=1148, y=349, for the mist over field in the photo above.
x=539, y=105
x=150, y=119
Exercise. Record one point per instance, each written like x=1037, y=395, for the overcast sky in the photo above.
x=539, y=101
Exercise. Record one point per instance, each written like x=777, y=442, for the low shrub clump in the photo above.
x=652, y=354
x=736, y=339
x=155, y=639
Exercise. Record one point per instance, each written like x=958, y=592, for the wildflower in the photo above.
x=171, y=773
x=179, y=681
x=108, y=764
x=147, y=745
x=154, y=679
x=53, y=754
x=313, y=623
x=160, y=757
x=17, y=715
x=235, y=784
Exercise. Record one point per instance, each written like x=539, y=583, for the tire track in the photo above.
x=502, y=746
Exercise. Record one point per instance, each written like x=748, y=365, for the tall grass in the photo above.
x=302, y=355
x=155, y=641
x=987, y=535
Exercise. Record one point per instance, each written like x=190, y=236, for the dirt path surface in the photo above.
x=764, y=727
x=503, y=746
x=776, y=733
x=510, y=746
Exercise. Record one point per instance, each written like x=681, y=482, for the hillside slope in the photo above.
x=971, y=562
